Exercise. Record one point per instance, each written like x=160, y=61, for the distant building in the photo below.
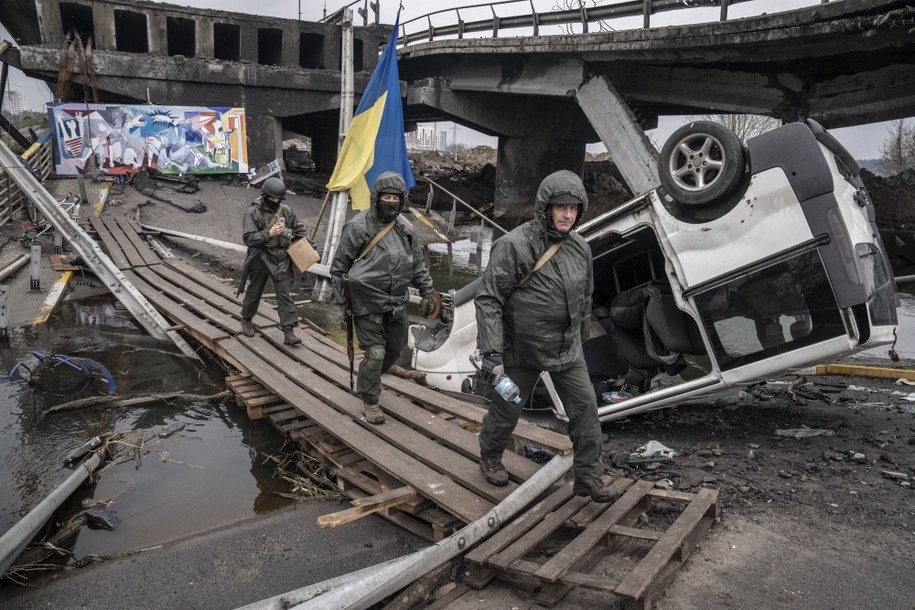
x=13, y=105
x=427, y=137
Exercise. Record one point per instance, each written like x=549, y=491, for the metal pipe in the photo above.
x=18, y=536
x=14, y=266
x=386, y=580
x=207, y=240
x=904, y=279
x=299, y=596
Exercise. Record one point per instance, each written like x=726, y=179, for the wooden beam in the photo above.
x=369, y=505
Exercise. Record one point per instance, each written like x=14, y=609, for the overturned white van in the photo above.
x=746, y=263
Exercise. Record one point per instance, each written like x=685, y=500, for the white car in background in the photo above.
x=748, y=262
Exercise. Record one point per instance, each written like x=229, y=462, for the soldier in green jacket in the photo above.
x=379, y=276
x=532, y=321
x=269, y=227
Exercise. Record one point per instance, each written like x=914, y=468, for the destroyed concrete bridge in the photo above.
x=845, y=62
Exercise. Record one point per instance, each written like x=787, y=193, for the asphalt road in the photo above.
x=225, y=568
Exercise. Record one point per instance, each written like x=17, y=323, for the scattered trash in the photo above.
x=63, y=375
x=904, y=381
x=909, y=397
x=804, y=432
x=653, y=451
x=80, y=452
x=170, y=430
x=891, y=474
x=536, y=454
x=857, y=456
x=759, y=392
x=663, y=380
x=615, y=396
x=102, y=518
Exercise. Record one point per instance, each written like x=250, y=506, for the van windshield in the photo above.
x=771, y=311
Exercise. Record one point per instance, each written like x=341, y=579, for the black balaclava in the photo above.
x=388, y=211
x=269, y=204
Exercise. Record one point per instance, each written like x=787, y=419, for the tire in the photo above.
x=701, y=163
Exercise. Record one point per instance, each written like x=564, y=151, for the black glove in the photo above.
x=492, y=367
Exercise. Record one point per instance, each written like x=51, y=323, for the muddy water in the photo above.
x=208, y=472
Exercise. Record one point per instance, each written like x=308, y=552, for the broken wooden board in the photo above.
x=367, y=506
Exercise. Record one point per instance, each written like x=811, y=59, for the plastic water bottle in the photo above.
x=507, y=389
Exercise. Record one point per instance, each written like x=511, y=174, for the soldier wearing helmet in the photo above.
x=379, y=275
x=268, y=229
x=531, y=321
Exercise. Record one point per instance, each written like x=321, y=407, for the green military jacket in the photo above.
x=269, y=251
x=543, y=323
x=379, y=282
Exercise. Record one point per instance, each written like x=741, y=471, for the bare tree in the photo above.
x=744, y=126
x=897, y=151
x=577, y=5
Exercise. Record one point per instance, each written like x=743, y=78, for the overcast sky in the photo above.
x=863, y=141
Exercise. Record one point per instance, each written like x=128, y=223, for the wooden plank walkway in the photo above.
x=419, y=469
x=421, y=445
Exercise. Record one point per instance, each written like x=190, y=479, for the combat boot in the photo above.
x=247, y=329
x=598, y=488
x=494, y=472
x=373, y=414
x=289, y=337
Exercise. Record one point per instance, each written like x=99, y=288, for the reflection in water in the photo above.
x=457, y=264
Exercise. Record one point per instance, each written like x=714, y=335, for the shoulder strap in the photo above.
x=276, y=217
x=378, y=236
x=540, y=263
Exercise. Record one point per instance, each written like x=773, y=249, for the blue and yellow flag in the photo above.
x=374, y=143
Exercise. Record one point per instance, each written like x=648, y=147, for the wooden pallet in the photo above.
x=251, y=395
x=630, y=549
x=356, y=477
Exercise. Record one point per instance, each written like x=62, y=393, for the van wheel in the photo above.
x=701, y=163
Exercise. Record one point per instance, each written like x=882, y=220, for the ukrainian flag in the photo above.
x=374, y=143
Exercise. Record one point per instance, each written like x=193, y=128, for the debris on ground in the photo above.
x=653, y=451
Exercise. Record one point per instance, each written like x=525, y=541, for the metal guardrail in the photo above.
x=12, y=199
x=422, y=29
x=454, y=201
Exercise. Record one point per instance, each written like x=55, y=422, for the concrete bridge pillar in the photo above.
x=523, y=163
x=265, y=139
x=324, y=143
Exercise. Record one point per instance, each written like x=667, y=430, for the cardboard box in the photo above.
x=302, y=255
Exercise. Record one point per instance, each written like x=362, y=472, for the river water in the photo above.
x=209, y=471
x=210, y=466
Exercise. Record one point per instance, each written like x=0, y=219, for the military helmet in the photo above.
x=274, y=187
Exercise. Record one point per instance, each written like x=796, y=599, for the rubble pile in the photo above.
x=470, y=174
x=894, y=198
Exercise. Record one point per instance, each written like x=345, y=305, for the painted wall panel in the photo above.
x=171, y=139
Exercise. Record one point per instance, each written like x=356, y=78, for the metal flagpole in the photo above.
x=322, y=291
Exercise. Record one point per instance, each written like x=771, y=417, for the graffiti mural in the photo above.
x=119, y=139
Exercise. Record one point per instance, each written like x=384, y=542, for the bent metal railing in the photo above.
x=422, y=29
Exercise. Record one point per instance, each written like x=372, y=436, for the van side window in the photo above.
x=771, y=311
